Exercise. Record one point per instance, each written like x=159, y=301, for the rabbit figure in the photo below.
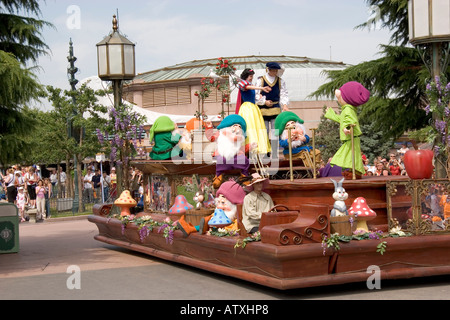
x=339, y=208
x=199, y=198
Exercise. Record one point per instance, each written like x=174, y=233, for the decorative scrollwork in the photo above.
x=289, y=236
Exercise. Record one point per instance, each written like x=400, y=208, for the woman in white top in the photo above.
x=10, y=183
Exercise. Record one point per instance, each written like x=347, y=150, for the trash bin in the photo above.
x=9, y=228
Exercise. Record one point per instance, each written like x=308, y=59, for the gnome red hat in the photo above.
x=232, y=191
x=354, y=93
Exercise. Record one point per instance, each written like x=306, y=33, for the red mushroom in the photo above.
x=362, y=212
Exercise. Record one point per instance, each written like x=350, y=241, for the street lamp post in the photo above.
x=71, y=132
x=116, y=63
x=429, y=32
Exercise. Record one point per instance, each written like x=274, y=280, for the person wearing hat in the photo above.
x=349, y=96
x=256, y=128
x=166, y=138
x=255, y=203
x=228, y=197
x=231, y=148
x=299, y=138
x=277, y=100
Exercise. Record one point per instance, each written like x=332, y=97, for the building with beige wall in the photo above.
x=171, y=90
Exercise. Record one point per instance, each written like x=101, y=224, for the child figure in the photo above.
x=20, y=201
x=349, y=96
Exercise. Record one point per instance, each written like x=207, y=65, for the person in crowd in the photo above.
x=395, y=168
x=88, y=191
x=96, y=184
x=48, y=195
x=106, y=186
x=113, y=188
x=40, y=201
x=379, y=169
x=10, y=182
x=386, y=172
x=20, y=202
x=31, y=179
x=392, y=157
x=403, y=149
x=54, y=181
x=62, y=182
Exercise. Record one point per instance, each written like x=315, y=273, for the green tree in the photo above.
x=21, y=35
x=89, y=115
x=20, y=42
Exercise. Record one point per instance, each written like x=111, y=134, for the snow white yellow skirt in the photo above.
x=256, y=129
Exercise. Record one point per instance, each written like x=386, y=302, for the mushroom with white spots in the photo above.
x=361, y=210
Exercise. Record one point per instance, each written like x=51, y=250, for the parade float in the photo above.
x=300, y=242
x=320, y=231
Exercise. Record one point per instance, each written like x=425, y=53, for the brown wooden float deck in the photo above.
x=290, y=254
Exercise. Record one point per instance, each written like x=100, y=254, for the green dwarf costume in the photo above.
x=353, y=94
x=166, y=144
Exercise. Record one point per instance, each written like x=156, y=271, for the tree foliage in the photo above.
x=21, y=35
x=20, y=42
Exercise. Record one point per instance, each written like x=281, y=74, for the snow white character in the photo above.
x=256, y=129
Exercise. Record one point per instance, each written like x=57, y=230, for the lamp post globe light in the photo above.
x=116, y=63
x=429, y=32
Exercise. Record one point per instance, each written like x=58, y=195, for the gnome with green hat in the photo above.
x=166, y=138
x=299, y=138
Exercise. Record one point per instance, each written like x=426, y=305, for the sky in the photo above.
x=168, y=32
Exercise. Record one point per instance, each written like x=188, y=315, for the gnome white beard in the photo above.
x=295, y=143
x=226, y=147
x=228, y=208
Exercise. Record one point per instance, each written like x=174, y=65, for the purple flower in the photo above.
x=441, y=126
x=100, y=136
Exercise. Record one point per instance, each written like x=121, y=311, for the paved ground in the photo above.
x=40, y=272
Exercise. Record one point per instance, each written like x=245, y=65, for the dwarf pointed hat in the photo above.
x=354, y=93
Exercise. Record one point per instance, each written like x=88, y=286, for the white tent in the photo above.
x=97, y=84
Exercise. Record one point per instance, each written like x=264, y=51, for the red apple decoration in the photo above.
x=419, y=164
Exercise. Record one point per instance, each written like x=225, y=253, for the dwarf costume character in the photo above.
x=299, y=138
x=350, y=95
x=231, y=149
x=166, y=139
x=228, y=197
